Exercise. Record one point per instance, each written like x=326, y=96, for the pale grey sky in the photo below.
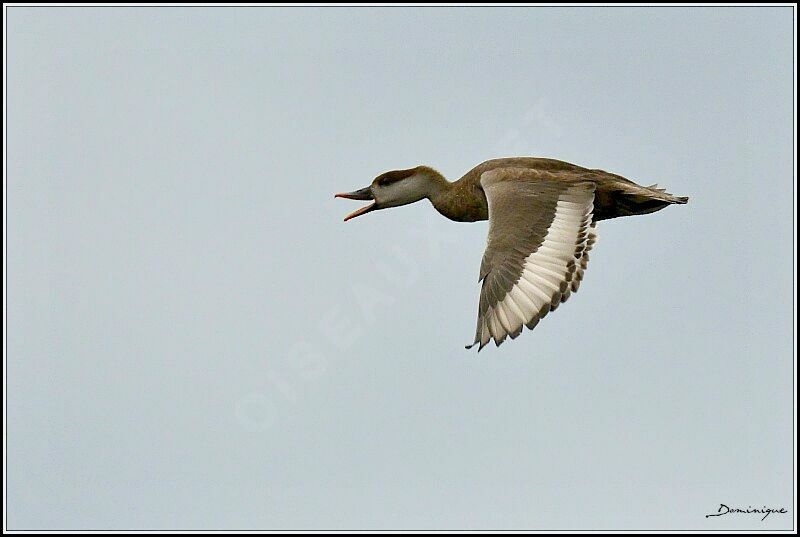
x=197, y=341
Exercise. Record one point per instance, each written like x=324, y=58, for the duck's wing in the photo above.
x=540, y=232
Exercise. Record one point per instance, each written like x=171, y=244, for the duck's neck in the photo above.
x=452, y=201
x=437, y=189
x=437, y=186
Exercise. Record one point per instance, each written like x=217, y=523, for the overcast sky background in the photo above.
x=197, y=341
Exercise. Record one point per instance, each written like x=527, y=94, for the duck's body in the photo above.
x=465, y=200
x=542, y=216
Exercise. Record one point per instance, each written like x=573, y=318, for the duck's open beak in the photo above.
x=364, y=194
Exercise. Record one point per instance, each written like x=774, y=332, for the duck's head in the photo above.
x=395, y=188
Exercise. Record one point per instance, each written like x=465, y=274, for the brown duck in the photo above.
x=542, y=223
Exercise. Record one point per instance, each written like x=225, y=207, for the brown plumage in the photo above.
x=542, y=219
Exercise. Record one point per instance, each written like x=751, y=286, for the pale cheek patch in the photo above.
x=402, y=192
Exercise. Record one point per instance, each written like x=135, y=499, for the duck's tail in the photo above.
x=661, y=193
x=645, y=200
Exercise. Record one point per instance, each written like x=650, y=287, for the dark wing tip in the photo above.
x=530, y=325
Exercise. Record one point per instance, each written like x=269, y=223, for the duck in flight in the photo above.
x=542, y=217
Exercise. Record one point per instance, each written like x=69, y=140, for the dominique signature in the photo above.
x=766, y=511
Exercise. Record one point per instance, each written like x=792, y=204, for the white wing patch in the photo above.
x=549, y=274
